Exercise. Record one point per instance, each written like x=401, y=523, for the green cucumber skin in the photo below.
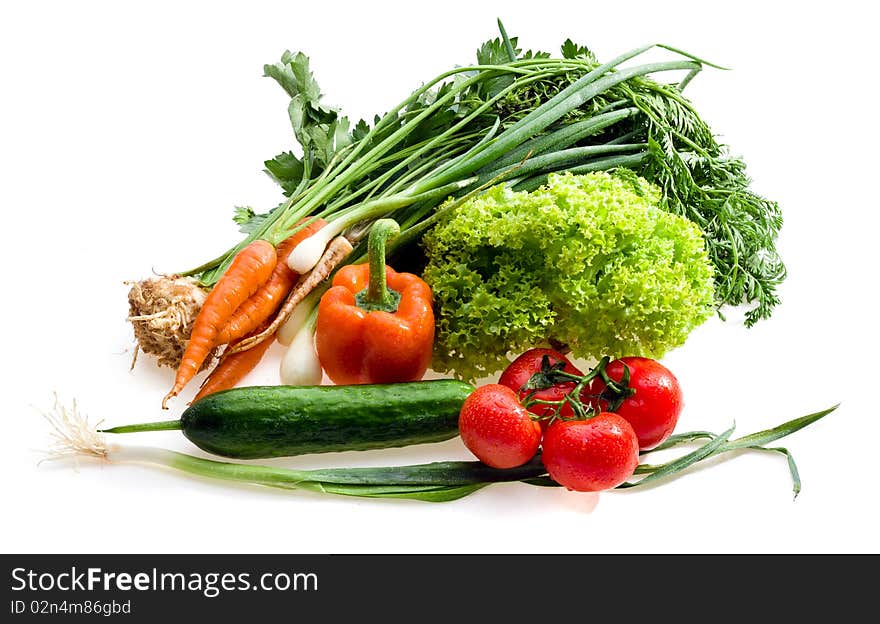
x=280, y=421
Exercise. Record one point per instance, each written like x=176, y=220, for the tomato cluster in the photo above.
x=590, y=428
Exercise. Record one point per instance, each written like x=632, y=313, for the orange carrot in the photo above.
x=263, y=303
x=336, y=252
x=232, y=368
x=248, y=271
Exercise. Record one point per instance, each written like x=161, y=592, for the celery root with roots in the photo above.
x=161, y=312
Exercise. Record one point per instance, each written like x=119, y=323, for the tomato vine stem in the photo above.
x=553, y=374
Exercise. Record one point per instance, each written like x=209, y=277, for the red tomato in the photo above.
x=591, y=455
x=654, y=408
x=497, y=428
x=521, y=370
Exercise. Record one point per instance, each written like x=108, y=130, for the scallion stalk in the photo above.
x=433, y=482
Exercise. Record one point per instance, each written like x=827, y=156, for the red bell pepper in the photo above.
x=375, y=325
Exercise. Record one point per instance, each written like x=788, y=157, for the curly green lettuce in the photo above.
x=590, y=261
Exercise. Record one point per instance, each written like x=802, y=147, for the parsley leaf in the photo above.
x=320, y=131
x=248, y=220
x=287, y=170
x=571, y=50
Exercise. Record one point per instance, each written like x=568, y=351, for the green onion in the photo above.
x=431, y=482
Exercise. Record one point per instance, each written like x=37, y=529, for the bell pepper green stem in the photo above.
x=378, y=296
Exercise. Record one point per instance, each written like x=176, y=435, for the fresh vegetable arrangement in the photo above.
x=536, y=209
x=434, y=482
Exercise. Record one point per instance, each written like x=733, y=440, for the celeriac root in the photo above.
x=336, y=252
x=162, y=310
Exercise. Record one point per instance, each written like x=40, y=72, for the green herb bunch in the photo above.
x=516, y=117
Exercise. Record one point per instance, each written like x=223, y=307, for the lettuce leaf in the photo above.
x=590, y=261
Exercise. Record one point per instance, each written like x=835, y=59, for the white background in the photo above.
x=128, y=131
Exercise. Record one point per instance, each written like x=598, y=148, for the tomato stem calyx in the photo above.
x=611, y=397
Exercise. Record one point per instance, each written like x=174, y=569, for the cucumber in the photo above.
x=280, y=421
